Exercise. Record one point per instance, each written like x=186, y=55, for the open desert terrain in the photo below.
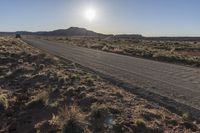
x=43, y=93
x=99, y=66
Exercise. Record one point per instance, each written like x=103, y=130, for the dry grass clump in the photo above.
x=40, y=100
x=140, y=123
x=73, y=120
x=100, y=117
x=70, y=120
x=99, y=111
x=89, y=80
x=3, y=102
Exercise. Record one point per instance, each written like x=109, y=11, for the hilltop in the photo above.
x=72, y=31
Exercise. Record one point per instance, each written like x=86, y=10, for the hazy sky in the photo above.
x=147, y=17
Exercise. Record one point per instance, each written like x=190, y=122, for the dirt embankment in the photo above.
x=41, y=93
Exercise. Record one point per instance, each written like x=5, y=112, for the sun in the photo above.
x=90, y=14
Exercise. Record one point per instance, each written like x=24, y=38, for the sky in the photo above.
x=146, y=17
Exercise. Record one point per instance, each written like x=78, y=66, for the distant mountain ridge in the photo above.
x=76, y=31
x=72, y=31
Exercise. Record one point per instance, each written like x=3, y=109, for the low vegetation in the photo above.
x=42, y=93
x=40, y=100
x=74, y=120
x=140, y=123
x=3, y=102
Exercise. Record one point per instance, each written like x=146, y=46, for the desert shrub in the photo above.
x=33, y=64
x=185, y=116
x=132, y=41
x=54, y=120
x=74, y=120
x=190, y=125
x=105, y=48
x=20, y=61
x=17, y=36
x=172, y=122
x=46, y=127
x=86, y=130
x=63, y=79
x=195, y=42
x=52, y=87
x=41, y=66
x=39, y=101
x=74, y=77
x=99, y=117
x=177, y=43
x=99, y=110
x=89, y=80
x=140, y=123
x=3, y=102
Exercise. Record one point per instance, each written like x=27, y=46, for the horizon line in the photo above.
x=113, y=34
